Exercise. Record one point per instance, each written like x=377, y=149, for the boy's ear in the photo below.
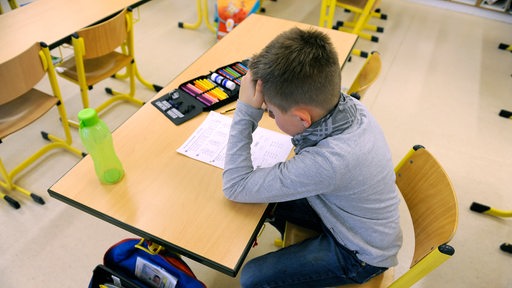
x=304, y=115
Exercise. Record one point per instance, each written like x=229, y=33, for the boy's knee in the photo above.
x=249, y=275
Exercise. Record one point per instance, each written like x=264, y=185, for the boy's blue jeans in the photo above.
x=316, y=262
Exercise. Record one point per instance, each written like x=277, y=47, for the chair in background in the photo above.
x=366, y=76
x=356, y=7
x=484, y=209
x=364, y=10
x=21, y=104
x=96, y=58
x=432, y=204
x=202, y=15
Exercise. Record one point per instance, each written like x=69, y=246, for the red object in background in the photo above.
x=233, y=12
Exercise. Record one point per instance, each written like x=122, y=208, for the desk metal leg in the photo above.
x=202, y=14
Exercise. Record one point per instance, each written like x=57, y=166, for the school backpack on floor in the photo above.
x=138, y=263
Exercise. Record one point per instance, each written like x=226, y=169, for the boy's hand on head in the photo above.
x=251, y=91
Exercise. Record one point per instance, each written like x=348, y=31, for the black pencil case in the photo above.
x=203, y=93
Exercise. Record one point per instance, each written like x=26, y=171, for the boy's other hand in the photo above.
x=251, y=91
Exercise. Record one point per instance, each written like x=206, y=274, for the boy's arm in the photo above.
x=238, y=162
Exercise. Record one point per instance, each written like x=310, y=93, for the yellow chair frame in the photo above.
x=328, y=8
x=21, y=104
x=432, y=203
x=484, y=209
x=356, y=7
x=366, y=76
x=12, y=3
x=95, y=58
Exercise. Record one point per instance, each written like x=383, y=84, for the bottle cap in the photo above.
x=87, y=117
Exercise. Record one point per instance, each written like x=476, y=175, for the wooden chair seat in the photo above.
x=96, y=69
x=24, y=110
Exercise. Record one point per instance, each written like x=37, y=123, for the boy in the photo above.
x=340, y=182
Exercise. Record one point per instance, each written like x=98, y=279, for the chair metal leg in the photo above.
x=125, y=75
x=484, y=209
x=202, y=14
x=8, y=182
x=6, y=185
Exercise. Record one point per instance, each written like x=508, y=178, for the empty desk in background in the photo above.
x=169, y=198
x=52, y=21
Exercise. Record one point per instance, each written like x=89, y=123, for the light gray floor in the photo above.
x=442, y=85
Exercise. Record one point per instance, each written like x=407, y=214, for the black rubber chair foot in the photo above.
x=157, y=87
x=37, y=199
x=503, y=46
x=45, y=135
x=477, y=207
x=506, y=247
x=13, y=203
x=180, y=24
x=506, y=114
x=109, y=91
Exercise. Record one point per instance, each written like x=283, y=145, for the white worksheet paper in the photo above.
x=209, y=140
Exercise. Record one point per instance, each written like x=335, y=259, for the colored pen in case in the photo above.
x=242, y=66
x=226, y=74
x=239, y=70
x=219, y=93
x=197, y=94
x=233, y=72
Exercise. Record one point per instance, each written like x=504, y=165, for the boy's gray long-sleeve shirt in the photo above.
x=342, y=166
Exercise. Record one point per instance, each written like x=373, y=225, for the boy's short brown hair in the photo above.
x=299, y=67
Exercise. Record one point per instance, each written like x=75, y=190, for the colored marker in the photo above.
x=223, y=81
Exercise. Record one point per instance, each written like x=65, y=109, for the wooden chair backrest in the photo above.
x=367, y=75
x=20, y=74
x=104, y=37
x=431, y=200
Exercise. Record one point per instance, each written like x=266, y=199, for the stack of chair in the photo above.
x=363, y=11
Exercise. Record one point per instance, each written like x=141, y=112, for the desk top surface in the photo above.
x=170, y=198
x=50, y=21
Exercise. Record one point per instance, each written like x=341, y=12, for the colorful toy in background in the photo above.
x=230, y=13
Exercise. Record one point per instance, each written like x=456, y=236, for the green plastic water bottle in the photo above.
x=97, y=139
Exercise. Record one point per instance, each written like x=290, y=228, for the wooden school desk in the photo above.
x=169, y=198
x=52, y=21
